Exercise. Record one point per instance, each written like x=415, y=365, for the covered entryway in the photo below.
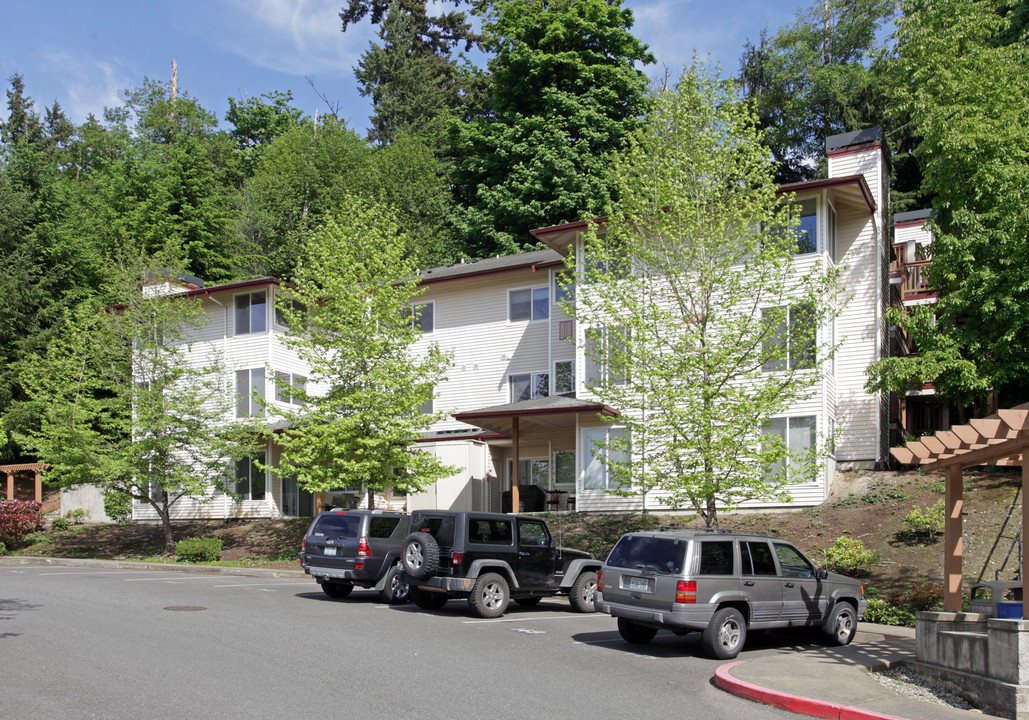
x=21, y=491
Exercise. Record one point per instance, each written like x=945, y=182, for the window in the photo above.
x=382, y=526
x=564, y=467
x=289, y=388
x=716, y=557
x=792, y=340
x=606, y=458
x=489, y=532
x=297, y=307
x=251, y=313
x=529, y=304
x=533, y=472
x=757, y=558
x=792, y=563
x=606, y=360
x=807, y=231
x=423, y=316
x=250, y=392
x=529, y=386
x=798, y=435
x=830, y=240
x=426, y=407
x=564, y=377
x=564, y=288
x=532, y=533
x=249, y=479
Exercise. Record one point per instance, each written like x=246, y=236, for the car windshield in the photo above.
x=661, y=555
x=337, y=525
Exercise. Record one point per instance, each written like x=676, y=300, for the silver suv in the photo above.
x=722, y=584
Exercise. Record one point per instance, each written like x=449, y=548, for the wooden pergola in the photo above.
x=999, y=439
x=36, y=468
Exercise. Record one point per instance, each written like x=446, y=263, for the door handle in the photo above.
x=748, y=583
x=522, y=553
x=789, y=584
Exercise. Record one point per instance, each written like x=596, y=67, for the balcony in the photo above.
x=908, y=278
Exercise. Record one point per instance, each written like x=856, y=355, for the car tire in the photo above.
x=583, y=592
x=635, y=634
x=420, y=555
x=841, y=626
x=529, y=601
x=725, y=635
x=338, y=590
x=490, y=596
x=394, y=591
x=427, y=600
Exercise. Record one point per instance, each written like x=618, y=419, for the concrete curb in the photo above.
x=168, y=567
x=725, y=680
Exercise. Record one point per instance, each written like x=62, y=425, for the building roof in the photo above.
x=501, y=263
x=537, y=415
x=913, y=217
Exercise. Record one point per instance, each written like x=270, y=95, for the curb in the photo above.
x=792, y=703
x=169, y=567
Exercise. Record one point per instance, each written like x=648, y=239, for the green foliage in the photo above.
x=566, y=95
x=353, y=299
x=883, y=612
x=685, y=342
x=198, y=550
x=849, y=556
x=926, y=523
x=118, y=506
x=60, y=524
x=18, y=520
x=3, y=549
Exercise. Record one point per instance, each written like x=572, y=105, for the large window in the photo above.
x=529, y=386
x=807, y=231
x=564, y=467
x=792, y=341
x=528, y=304
x=423, y=316
x=289, y=387
x=564, y=377
x=564, y=288
x=799, y=437
x=251, y=313
x=604, y=448
x=250, y=392
x=249, y=479
x=606, y=359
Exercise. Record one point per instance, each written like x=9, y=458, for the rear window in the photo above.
x=663, y=555
x=382, y=527
x=441, y=528
x=716, y=557
x=334, y=525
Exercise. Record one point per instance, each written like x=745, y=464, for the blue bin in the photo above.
x=1009, y=610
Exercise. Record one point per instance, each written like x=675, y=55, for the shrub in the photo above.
x=925, y=523
x=59, y=524
x=77, y=516
x=18, y=518
x=850, y=557
x=197, y=550
x=3, y=549
x=118, y=506
x=920, y=597
x=882, y=611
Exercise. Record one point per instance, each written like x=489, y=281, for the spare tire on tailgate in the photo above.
x=420, y=555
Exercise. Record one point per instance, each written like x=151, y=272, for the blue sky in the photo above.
x=83, y=54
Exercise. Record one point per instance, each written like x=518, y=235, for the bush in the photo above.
x=3, y=549
x=850, y=557
x=198, y=550
x=920, y=597
x=118, y=506
x=18, y=518
x=60, y=524
x=77, y=516
x=882, y=611
x=925, y=523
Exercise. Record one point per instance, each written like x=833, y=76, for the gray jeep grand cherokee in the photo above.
x=722, y=584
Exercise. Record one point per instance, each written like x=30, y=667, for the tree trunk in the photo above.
x=371, y=499
x=169, y=539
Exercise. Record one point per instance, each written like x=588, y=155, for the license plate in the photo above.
x=330, y=551
x=639, y=584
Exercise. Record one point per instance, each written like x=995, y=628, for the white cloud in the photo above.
x=298, y=37
x=88, y=84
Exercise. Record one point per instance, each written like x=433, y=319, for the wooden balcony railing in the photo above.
x=910, y=276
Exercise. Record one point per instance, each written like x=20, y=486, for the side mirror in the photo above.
x=821, y=574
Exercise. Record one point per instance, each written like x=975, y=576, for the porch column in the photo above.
x=39, y=485
x=514, y=464
x=1025, y=520
x=952, y=541
x=10, y=484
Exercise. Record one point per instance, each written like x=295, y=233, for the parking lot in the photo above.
x=88, y=643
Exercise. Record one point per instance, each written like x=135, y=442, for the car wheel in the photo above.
x=583, y=591
x=337, y=589
x=489, y=596
x=635, y=634
x=427, y=600
x=420, y=555
x=529, y=601
x=841, y=626
x=394, y=591
x=724, y=636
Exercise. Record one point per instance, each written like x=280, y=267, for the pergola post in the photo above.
x=39, y=485
x=1025, y=524
x=514, y=465
x=952, y=541
x=10, y=484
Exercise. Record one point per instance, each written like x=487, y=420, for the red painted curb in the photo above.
x=793, y=703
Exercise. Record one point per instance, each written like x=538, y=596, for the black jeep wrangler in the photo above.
x=492, y=558
x=344, y=548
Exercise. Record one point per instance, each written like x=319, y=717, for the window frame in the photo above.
x=260, y=456
x=785, y=435
x=285, y=395
x=236, y=311
x=589, y=457
x=533, y=291
x=252, y=402
x=801, y=233
x=784, y=334
x=416, y=315
x=534, y=380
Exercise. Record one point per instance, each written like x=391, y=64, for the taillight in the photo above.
x=862, y=591
x=600, y=581
x=686, y=592
x=303, y=544
x=456, y=559
x=363, y=551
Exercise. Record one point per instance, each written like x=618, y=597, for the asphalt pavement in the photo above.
x=829, y=682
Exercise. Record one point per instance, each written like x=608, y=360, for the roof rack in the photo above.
x=716, y=531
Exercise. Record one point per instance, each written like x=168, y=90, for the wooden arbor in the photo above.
x=999, y=439
x=9, y=471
